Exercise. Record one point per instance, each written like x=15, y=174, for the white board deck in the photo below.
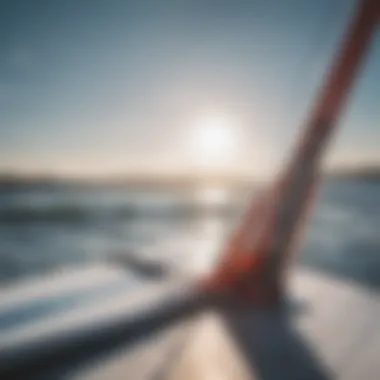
x=331, y=332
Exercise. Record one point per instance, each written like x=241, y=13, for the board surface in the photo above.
x=328, y=330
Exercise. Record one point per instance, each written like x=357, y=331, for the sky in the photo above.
x=103, y=88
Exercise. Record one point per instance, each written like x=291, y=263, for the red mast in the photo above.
x=254, y=260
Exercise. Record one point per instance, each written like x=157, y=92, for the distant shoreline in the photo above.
x=11, y=181
x=161, y=183
x=365, y=174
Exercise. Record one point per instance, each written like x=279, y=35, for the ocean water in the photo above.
x=44, y=230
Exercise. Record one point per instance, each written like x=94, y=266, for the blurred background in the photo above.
x=143, y=127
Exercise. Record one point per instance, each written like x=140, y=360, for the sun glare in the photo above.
x=213, y=139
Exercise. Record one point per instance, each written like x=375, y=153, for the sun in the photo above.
x=213, y=140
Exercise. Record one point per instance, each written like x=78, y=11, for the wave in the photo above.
x=53, y=214
x=81, y=214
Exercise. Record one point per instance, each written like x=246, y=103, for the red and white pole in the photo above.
x=254, y=261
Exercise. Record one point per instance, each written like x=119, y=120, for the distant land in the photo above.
x=367, y=174
x=14, y=181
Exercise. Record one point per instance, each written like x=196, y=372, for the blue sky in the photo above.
x=109, y=87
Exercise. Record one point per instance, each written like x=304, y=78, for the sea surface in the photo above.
x=45, y=230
